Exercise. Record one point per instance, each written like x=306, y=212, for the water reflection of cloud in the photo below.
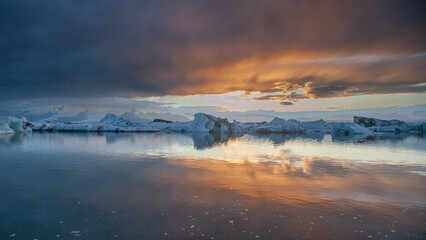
x=314, y=180
x=389, y=149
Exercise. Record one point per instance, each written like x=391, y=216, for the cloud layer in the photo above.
x=132, y=48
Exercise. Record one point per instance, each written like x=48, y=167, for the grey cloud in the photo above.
x=286, y=103
x=94, y=49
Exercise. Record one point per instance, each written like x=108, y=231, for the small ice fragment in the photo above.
x=74, y=232
x=192, y=226
x=165, y=234
x=370, y=236
x=393, y=230
x=12, y=235
x=58, y=235
x=113, y=211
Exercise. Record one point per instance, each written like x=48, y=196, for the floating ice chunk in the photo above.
x=348, y=128
x=238, y=127
x=208, y=123
x=313, y=126
x=14, y=125
x=5, y=129
x=379, y=125
x=279, y=125
x=172, y=127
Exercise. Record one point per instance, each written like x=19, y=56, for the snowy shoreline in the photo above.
x=211, y=124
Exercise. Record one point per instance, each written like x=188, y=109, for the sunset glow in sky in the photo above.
x=182, y=57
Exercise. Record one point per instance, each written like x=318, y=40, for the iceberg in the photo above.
x=5, y=129
x=379, y=125
x=318, y=126
x=278, y=125
x=208, y=123
x=421, y=127
x=14, y=125
x=237, y=127
x=205, y=123
x=348, y=128
x=109, y=123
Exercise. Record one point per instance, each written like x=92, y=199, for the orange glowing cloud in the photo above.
x=313, y=50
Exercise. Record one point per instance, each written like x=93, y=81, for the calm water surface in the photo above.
x=202, y=186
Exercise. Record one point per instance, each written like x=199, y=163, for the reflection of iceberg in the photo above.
x=12, y=140
x=207, y=140
x=351, y=138
x=393, y=136
x=112, y=137
x=280, y=138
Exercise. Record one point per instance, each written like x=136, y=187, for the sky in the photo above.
x=248, y=60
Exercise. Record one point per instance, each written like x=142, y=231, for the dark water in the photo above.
x=201, y=186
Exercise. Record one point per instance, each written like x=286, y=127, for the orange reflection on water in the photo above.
x=307, y=179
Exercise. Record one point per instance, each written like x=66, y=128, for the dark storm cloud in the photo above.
x=106, y=48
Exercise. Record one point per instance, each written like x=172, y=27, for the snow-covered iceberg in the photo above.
x=4, y=128
x=318, y=126
x=208, y=123
x=278, y=125
x=380, y=125
x=348, y=128
x=14, y=125
x=109, y=123
x=172, y=127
